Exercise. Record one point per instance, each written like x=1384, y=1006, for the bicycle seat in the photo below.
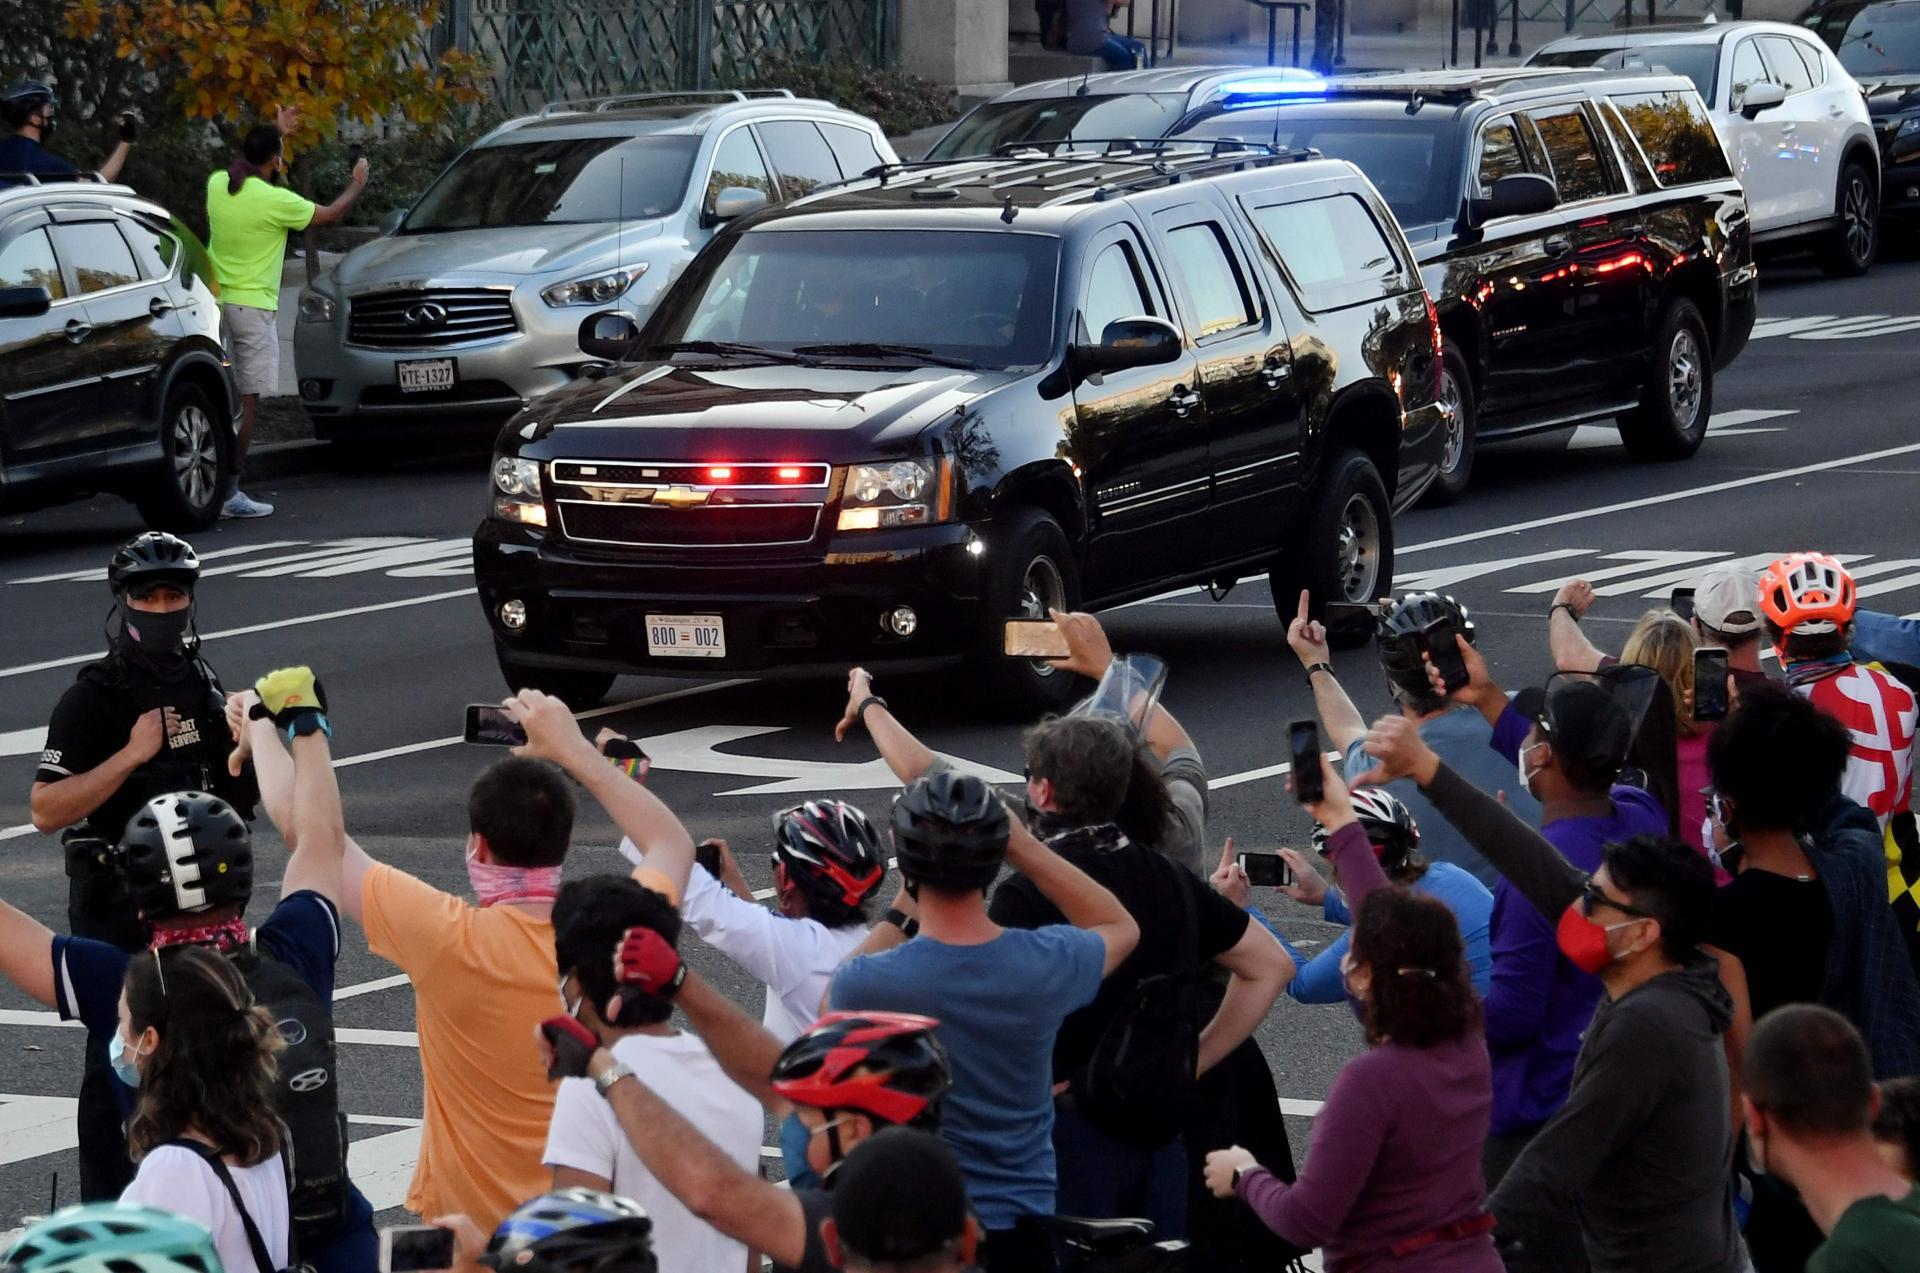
x=1097, y=1237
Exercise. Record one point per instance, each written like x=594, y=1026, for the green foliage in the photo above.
x=898, y=102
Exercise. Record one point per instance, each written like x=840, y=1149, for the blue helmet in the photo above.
x=575, y=1231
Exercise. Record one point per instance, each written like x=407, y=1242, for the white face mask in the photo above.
x=1520, y=764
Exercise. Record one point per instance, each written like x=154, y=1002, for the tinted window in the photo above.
x=154, y=250
x=1573, y=155
x=737, y=162
x=1501, y=154
x=853, y=148
x=1215, y=295
x=100, y=257
x=1871, y=40
x=1333, y=249
x=802, y=156
x=1676, y=135
x=1412, y=160
x=28, y=262
x=1060, y=118
x=1697, y=62
x=1748, y=69
x=987, y=298
x=1788, y=69
x=554, y=182
x=1113, y=290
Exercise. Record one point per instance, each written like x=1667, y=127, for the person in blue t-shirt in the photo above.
x=188, y=864
x=28, y=112
x=1457, y=735
x=1000, y=993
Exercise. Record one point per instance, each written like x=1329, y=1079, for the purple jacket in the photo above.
x=1538, y=1005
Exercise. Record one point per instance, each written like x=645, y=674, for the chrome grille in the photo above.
x=430, y=318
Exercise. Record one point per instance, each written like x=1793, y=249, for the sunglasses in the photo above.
x=1591, y=896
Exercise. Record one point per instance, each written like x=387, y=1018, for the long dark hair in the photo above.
x=1421, y=993
x=1101, y=773
x=257, y=149
x=213, y=1072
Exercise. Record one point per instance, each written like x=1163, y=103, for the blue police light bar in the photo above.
x=1252, y=92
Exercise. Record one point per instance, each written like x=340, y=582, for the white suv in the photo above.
x=1793, y=122
x=470, y=305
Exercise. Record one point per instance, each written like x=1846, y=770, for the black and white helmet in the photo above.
x=1398, y=635
x=186, y=853
x=1388, y=822
x=830, y=850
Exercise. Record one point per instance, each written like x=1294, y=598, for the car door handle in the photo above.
x=159, y=307
x=1558, y=247
x=1276, y=372
x=1183, y=400
x=78, y=331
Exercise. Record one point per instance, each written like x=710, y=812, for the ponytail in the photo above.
x=1146, y=814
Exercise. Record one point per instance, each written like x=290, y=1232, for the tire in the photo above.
x=196, y=450
x=1034, y=570
x=576, y=689
x=1456, y=460
x=1677, y=401
x=1848, y=250
x=1343, y=550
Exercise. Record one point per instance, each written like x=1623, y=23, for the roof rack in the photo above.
x=34, y=179
x=597, y=105
x=1100, y=167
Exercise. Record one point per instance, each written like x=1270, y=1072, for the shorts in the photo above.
x=252, y=338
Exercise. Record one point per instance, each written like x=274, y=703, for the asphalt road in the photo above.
x=365, y=577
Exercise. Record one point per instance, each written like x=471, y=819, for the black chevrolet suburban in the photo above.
x=1580, y=232
x=877, y=422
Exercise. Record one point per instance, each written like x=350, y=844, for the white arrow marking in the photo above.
x=1442, y=577
x=1643, y=561
x=99, y=574
x=696, y=751
x=1790, y=326
x=1862, y=328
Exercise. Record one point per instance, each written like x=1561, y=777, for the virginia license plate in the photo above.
x=686, y=636
x=425, y=375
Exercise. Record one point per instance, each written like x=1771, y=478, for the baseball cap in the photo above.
x=1726, y=599
x=899, y=1196
x=1592, y=717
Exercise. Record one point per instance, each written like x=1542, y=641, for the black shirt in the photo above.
x=1779, y=928
x=93, y=718
x=1146, y=884
x=816, y=1205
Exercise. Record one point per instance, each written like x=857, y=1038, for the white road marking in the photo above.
x=1441, y=578
x=1641, y=561
x=1830, y=327
x=23, y=742
x=401, y=556
x=98, y=574
x=371, y=987
x=381, y=1167
x=696, y=751
x=1721, y=424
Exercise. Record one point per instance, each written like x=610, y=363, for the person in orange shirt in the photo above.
x=482, y=971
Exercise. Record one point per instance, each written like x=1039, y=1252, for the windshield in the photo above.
x=1061, y=118
x=1412, y=160
x=1697, y=62
x=558, y=181
x=1872, y=40
x=982, y=298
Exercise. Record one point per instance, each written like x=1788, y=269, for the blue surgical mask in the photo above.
x=122, y=1059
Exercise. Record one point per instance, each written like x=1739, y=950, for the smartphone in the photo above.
x=1303, y=749
x=1442, y=642
x=1267, y=870
x=1710, y=684
x=492, y=727
x=412, y=1248
x=1340, y=613
x=707, y=854
x=1681, y=600
x=1034, y=639
x=355, y=153
x=622, y=749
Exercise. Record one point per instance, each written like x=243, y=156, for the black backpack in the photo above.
x=1138, y=1086
x=308, y=1097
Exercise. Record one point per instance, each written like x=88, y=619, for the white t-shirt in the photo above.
x=179, y=1180
x=794, y=959
x=586, y=1136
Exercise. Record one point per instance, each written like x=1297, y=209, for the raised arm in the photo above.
x=1338, y=716
x=300, y=792
x=1480, y=691
x=1082, y=900
x=907, y=756
x=744, y=1048
x=1572, y=652
x=26, y=954
x=331, y=213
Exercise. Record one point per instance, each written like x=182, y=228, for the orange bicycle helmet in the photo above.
x=1807, y=594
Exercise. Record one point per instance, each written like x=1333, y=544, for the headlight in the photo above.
x=517, y=498
x=597, y=289
x=1907, y=127
x=901, y=493
x=315, y=308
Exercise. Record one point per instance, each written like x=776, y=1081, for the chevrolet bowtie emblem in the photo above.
x=681, y=496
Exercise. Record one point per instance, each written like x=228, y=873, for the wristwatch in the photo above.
x=1235, y=1182
x=871, y=700
x=1562, y=605
x=611, y=1075
x=900, y=920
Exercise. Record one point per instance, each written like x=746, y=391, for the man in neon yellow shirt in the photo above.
x=247, y=222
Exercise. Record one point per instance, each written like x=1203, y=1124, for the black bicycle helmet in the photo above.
x=185, y=853
x=888, y=1065
x=950, y=831
x=23, y=99
x=1398, y=634
x=830, y=850
x=1388, y=822
x=574, y=1231
x=155, y=557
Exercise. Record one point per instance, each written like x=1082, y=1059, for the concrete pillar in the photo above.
x=957, y=42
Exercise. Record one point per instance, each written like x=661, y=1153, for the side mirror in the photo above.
x=391, y=222
x=735, y=202
x=1760, y=97
x=607, y=335
x=1517, y=195
x=24, y=302
x=1126, y=343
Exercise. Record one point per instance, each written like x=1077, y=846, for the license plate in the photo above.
x=426, y=375
x=686, y=636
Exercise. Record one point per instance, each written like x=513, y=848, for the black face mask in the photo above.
x=157, y=642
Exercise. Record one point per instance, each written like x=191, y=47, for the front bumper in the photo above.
x=587, y=609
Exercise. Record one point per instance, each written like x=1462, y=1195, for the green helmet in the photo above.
x=113, y=1237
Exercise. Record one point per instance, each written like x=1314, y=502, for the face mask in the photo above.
x=122, y=1060
x=1520, y=764
x=1584, y=942
x=160, y=636
x=494, y=884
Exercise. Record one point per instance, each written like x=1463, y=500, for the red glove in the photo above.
x=647, y=961
x=567, y=1046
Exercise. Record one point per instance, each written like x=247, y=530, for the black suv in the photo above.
x=111, y=373
x=875, y=423
x=1878, y=41
x=1586, y=244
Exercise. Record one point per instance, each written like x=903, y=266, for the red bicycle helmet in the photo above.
x=1806, y=594
x=830, y=850
x=885, y=1064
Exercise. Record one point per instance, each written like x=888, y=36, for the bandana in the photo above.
x=495, y=885
x=226, y=936
x=1807, y=671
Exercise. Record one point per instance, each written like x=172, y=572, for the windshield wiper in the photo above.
x=727, y=347
x=874, y=349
